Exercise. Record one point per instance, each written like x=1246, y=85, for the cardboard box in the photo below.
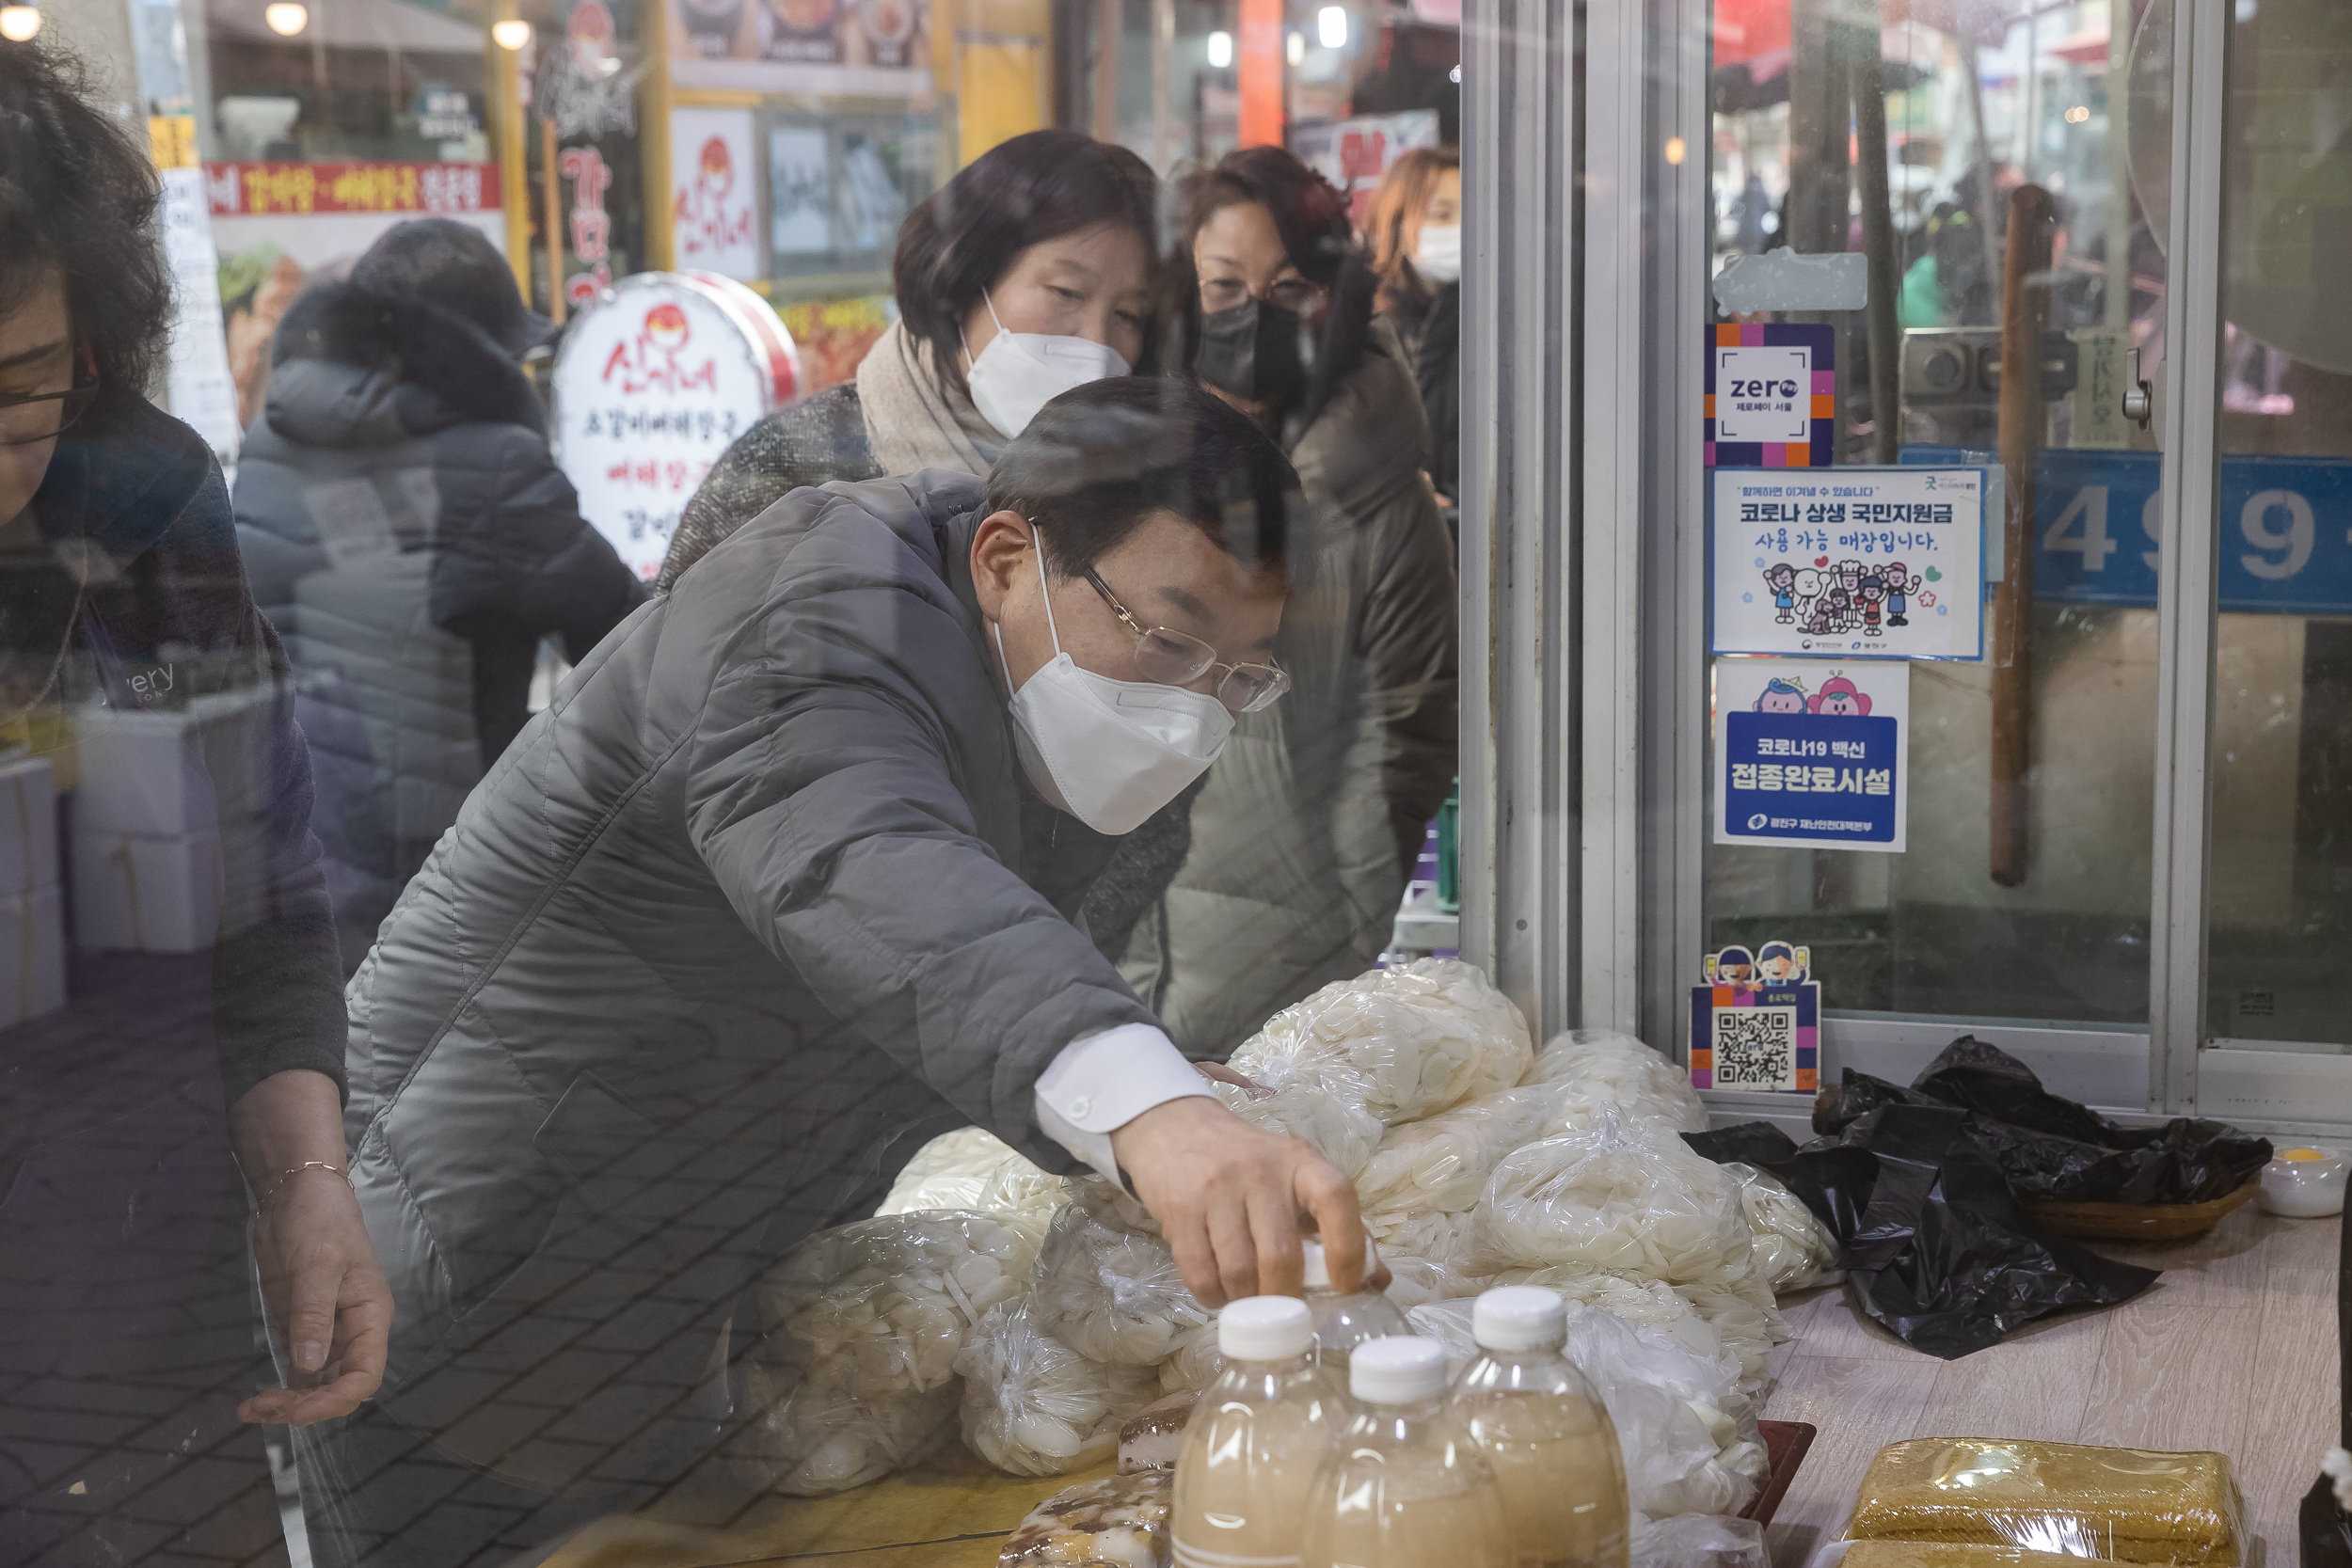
x=29, y=825
x=32, y=955
x=145, y=892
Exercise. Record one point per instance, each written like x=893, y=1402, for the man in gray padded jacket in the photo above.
x=780, y=886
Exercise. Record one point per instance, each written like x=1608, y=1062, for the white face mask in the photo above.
x=1438, y=256
x=1109, y=752
x=1020, y=372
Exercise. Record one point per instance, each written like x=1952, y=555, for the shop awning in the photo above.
x=354, y=24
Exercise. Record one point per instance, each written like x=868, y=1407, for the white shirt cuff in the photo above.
x=1100, y=1083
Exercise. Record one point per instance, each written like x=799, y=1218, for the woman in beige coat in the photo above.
x=1306, y=829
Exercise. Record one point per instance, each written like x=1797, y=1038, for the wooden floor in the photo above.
x=2233, y=1350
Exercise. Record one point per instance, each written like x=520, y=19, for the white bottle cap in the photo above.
x=1318, y=1276
x=1266, y=1328
x=1396, y=1369
x=1519, y=1317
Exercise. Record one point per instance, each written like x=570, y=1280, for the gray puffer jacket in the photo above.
x=408, y=534
x=758, y=904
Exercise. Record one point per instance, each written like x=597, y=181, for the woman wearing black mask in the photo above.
x=1306, y=829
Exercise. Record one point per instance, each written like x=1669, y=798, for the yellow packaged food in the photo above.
x=1943, y=1554
x=2125, y=1505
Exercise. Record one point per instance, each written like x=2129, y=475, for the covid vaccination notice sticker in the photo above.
x=1812, y=754
x=1849, y=563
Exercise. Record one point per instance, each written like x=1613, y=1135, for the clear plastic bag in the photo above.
x=1410, y=1042
x=947, y=1172
x=1440, y=1164
x=2123, y=1505
x=1111, y=1205
x=1443, y=1241
x=1032, y=1406
x=1449, y=1322
x=1019, y=1191
x=1642, y=1302
x=1689, y=1437
x=1117, y=1522
x=1698, y=1541
x=1328, y=1119
x=1794, y=1249
x=854, y=1375
x=1623, y=1194
x=1194, y=1364
x=1415, y=1280
x=1110, y=1294
x=816, y=1438
x=1592, y=1068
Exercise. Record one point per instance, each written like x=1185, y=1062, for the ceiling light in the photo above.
x=286, y=18
x=513, y=35
x=18, y=23
x=1331, y=27
x=1220, y=50
x=1296, y=52
x=1675, y=150
x=2077, y=115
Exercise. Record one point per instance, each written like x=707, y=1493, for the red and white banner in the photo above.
x=239, y=190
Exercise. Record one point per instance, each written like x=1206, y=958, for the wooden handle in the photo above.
x=2025, y=320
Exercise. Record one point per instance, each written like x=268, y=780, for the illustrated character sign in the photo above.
x=1775, y=963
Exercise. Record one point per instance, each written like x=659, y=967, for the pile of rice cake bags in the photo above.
x=1034, y=1314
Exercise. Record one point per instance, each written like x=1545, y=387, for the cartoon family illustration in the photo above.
x=1838, y=697
x=1775, y=963
x=1833, y=601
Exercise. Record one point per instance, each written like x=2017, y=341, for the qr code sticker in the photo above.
x=1756, y=1047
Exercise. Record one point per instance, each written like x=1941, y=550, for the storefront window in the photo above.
x=1933, y=163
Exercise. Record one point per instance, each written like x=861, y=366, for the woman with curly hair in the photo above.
x=124, y=613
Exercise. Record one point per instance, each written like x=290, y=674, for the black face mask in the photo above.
x=1253, y=353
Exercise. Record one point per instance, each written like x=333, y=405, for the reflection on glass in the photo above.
x=2281, y=894
x=2023, y=890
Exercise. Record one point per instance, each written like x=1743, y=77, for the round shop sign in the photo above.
x=654, y=382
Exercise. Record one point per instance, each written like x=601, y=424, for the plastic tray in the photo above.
x=1784, y=1446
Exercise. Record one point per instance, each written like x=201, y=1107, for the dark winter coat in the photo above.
x=1306, y=831
x=757, y=905
x=408, y=532
x=824, y=439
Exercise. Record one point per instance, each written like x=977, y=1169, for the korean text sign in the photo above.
x=1812, y=755
x=1849, y=563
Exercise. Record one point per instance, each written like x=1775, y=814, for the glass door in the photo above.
x=1963, y=186
x=2280, y=894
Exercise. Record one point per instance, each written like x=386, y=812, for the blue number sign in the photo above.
x=2286, y=529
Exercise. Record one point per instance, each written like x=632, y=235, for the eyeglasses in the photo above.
x=1172, y=657
x=43, y=415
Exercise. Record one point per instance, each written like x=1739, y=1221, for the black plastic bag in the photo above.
x=2052, y=1147
x=1935, y=1246
x=2326, y=1533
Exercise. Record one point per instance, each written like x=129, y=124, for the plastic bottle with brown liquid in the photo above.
x=1547, y=1433
x=1257, y=1436
x=1342, y=1321
x=1404, y=1487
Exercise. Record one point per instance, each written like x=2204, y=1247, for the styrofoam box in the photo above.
x=29, y=825
x=145, y=771
x=145, y=892
x=139, y=773
x=32, y=955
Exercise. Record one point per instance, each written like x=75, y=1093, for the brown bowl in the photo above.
x=2136, y=1222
